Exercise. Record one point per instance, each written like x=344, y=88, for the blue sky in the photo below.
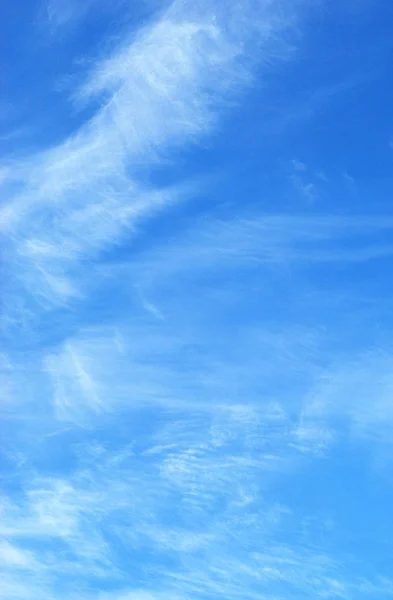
x=196, y=361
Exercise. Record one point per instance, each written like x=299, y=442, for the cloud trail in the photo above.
x=166, y=395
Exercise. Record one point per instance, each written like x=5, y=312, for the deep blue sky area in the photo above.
x=196, y=361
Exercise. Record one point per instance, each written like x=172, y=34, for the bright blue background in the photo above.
x=196, y=355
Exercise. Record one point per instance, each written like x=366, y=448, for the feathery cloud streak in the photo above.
x=158, y=91
x=166, y=393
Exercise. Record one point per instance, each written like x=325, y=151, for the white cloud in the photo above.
x=203, y=506
x=197, y=507
x=13, y=556
x=162, y=483
x=270, y=240
x=145, y=363
x=64, y=16
x=357, y=392
x=62, y=12
x=163, y=88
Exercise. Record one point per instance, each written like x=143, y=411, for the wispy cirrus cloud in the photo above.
x=82, y=524
x=342, y=393
x=165, y=393
x=160, y=90
x=60, y=13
